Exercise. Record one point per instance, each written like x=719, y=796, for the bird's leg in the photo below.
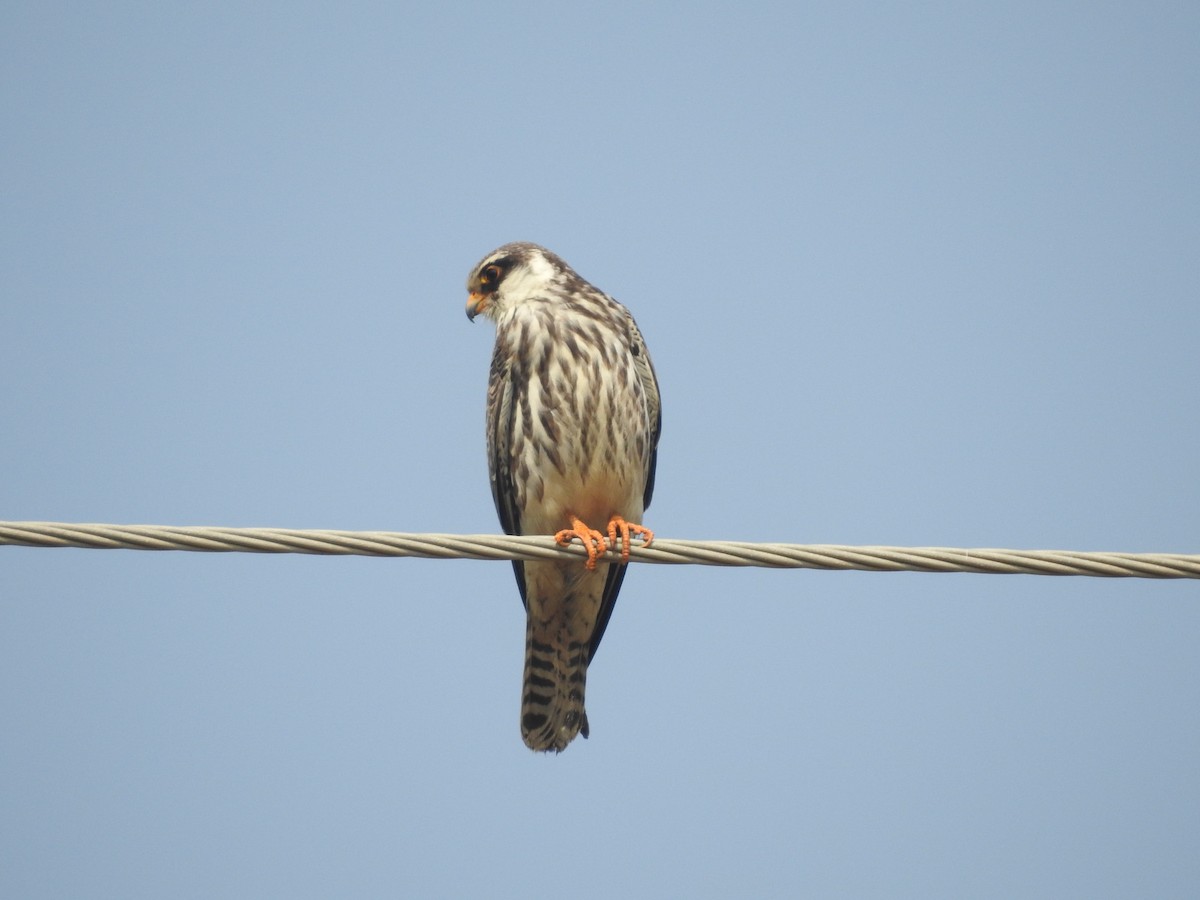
x=627, y=529
x=592, y=539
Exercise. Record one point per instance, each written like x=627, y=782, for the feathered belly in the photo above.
x=591, y=473
x=553, y=497
x=581, y=433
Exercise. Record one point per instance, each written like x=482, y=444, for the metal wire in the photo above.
x=663, y=550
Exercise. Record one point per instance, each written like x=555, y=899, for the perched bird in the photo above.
x=573, y=419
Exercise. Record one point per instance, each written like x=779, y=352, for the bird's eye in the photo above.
x=490, y=276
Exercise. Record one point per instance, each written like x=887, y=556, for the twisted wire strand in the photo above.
x=663, y=550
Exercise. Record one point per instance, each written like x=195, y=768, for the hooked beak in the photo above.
x=476, y=303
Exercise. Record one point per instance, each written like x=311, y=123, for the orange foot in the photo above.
x=592, y=540
x=627, y=529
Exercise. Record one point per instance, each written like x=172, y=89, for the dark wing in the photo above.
x=645, y=373
x=500, y=450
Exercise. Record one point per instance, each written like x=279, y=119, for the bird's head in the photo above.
x=510, y=275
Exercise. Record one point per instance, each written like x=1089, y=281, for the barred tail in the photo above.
x=552, y=700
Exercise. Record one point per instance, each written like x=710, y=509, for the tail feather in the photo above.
x=552, y=710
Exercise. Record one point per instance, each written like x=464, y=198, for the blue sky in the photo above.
x=912, y=275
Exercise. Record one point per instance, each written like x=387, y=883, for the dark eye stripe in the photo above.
x=493, y=273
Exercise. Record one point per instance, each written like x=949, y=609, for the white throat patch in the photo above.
x=529, y=280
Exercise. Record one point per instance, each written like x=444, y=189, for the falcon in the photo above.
x=573, y=419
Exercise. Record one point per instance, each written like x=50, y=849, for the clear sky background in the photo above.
x=922, y=274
